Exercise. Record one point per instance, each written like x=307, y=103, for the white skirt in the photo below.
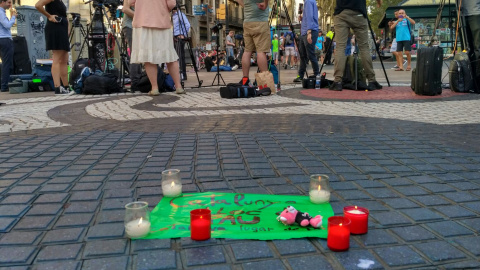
x=153, y=45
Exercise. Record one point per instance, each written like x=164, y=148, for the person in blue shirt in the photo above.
x=6, y=42
x=319, y=46
x=181, y=26
x=403, y=26
x=308, y=39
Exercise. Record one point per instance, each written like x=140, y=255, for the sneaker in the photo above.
x=297, y=79
x=245, y=81
x=395, y=67
x=374, y=85
x=180, y=91
x=285, y=66
x=336, y=86
x=154, y=93
x=291, y=67
x=234, y=67
x=61, y=91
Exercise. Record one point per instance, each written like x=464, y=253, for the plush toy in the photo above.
x=291, y=215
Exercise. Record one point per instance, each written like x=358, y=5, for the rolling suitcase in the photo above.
x=428, y=74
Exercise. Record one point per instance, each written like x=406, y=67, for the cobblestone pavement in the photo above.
x=68, y=165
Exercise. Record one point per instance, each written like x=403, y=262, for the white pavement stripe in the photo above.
x=440, y=113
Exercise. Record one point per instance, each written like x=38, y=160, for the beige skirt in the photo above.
x=153, y=45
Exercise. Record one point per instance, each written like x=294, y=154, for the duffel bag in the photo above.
x=100, y=84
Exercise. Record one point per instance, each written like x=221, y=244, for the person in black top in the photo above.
x=56, y=39
x=209, y=61
x=352, y=14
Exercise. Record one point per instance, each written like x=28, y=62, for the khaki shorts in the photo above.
x=289, y=51
x=257, y=37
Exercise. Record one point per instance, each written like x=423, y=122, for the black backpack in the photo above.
x=144, y=85
x=77, y=70
x=101, y=84
x=461, y=79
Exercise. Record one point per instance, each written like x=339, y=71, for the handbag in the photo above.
x=265, y=80
x=412, y=36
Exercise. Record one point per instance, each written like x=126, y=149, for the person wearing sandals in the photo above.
x=402, y=27
x=56, y=40
x=153, y=40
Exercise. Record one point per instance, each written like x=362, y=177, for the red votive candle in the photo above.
x=359, y=218
x=338, y=238
x=200, y=224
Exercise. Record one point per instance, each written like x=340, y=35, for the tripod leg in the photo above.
x=378, y=52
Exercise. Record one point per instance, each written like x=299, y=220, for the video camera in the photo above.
x=216, y=28
x=113, y=3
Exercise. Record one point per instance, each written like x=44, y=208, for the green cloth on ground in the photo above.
x=237, y=216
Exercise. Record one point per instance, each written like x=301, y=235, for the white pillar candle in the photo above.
x=356, y=211
x=137, y=228
x=171, y=190
x=319, y=196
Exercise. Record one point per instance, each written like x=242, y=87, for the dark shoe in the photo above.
x=297, y=79
x=374, y=86
x=336, y=86
x=245, y=81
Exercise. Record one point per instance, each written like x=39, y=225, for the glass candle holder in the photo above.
x=137, y=219
x=319, y=189
x=359, y=217
x=171, y=183
x=200, y=224
x=338, y=238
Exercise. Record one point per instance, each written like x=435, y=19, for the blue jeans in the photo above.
x=230, y=52
x=6, y=53
x=307, y=52
x=222, y=68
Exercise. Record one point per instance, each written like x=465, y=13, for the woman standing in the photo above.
x=56, y=39
x=153, y=40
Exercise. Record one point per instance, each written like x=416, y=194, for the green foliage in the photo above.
x=376, y=13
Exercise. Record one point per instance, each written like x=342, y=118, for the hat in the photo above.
x=275, y=35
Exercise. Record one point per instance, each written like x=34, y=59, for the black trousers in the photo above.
x=180, y=48
x=135, y=69
x=6, y=54
x=473, y=34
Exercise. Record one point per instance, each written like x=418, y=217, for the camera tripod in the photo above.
x=180, y=47
x=77, y=32
x=96, y=40
x=218, y=76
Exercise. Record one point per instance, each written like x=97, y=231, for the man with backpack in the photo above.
x=290, y=48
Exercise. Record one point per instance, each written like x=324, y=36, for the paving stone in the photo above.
x=118, y=193
x=59, y=252
x=156, y=259
x=55, y=188
x=204, y=255
x=6, y=224
x=449, y=228
x=461, y=196
x=64, y=265
x=13, y=210
x=23, y=190
x=448, y=252
x=264, y=265
x=472, y=223
x=454, y=211
x=102, y=231
x=413, y=233
x=390, y=218
x=309, y=262
x=394, y=182
x=52, y=198
x=475, y=206
x=149, y=191
x=411, y=190
x=18, y=199
x=285, y=189
x=81, y=207
x=110, y=216
x=86, y=186
x=462, y=265
x=430, y=200
x=208, y=186
x=105, y=248
x=400, y=203
x=358, y=259
x=421, y=214
x=20, y=238
x=399, y=256
x=252, y=190
x=86, y=195
x=370, y=205
x=438, y=188
x=284, y=247
x=369, y=183
x=251, y=250
x=376, y=237
x=353, y=195
x=23, y=255
x=110, y=263
x=151, y=244
x=35, y=222
x=470, y=244
x=63, y=236
x=74, y=220
x=45, y=209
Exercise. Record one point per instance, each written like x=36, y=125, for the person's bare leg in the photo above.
x=57, y=59
x=409, y=59
x=173, y=69
x=262, y=61
x=246, y=63
x=400, y=59
x=64, y=68
x=152, y=73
